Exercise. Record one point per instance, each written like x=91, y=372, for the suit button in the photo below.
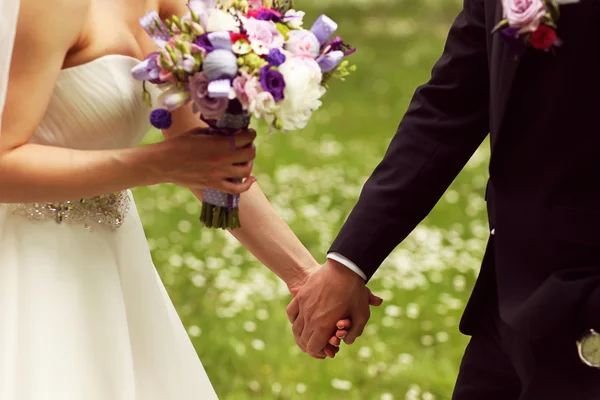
x=493, y=231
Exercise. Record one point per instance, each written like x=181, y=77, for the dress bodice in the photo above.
x=95, y=106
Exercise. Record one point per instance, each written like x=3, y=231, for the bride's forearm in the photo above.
x=270, y=239
x=36, y=173
x=263, y=232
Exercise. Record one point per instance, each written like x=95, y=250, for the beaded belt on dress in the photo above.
x=107, y=210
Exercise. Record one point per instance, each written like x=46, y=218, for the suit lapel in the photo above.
x=504, y=66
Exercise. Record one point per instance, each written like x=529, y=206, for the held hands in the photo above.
x=332, y=297
x=196, y=160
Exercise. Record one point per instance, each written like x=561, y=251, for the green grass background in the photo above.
x=234, y=308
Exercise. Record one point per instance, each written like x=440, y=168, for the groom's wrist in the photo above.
x=340, y=259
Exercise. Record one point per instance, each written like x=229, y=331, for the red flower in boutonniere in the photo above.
x=543, y=38
x=529, y=23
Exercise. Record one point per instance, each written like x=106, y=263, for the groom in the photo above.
x=538, y=294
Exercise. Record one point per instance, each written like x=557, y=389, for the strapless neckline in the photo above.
x=65, y=72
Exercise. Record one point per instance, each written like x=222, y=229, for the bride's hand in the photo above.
x=198, y=161
x=343, y=327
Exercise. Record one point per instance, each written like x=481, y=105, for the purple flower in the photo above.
x=337, y=43
x=268, y=15
x=330, y=61
x=514, y=41
x=161, y=118
x=148, y=70
x=323, y=28
x=275, y=57
x=204, y=42
x=272, y=81
x=209, y=107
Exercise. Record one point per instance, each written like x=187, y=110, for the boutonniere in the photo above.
x=530, y=23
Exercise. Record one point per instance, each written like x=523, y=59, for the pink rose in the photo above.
x=524, y=14
x=263, y=35
x=247, y=88
x=303, y=43
x=209, y=107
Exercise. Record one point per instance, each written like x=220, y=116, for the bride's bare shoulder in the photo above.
x=46, y=32
x=61, y=21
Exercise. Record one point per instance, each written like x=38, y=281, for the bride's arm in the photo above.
x=263, y=231
x=35, y=173
x=272, y=241
x=30, y=172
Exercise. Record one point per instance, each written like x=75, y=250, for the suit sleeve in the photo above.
x=446, y=121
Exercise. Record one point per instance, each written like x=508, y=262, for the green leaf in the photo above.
x=502, y=24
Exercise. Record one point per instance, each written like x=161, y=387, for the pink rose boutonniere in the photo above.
x=529, y=23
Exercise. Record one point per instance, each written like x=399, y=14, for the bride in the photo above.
x=83, y=313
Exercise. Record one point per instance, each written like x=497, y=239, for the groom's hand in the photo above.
x=329, y=295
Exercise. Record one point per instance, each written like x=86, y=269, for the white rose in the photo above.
x=263, y=106
x=219, y=21
x=302, y=92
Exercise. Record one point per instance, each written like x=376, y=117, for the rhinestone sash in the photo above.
x=107, y=210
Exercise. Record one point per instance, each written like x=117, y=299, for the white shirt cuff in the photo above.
x=347, y=263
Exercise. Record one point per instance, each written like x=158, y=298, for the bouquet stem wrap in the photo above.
x=221, y=210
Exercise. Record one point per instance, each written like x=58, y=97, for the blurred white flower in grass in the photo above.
x=300, y=388
x=442, y=337
x=254, y=386
x=374, y=370
x=427, y=340
x=176, y=260
x=393, y=311
x=198, y=280
x=341, y=384
x=427, y=396
x=193, y=262
x=406, y=359
x=240, y=349
x=258, y=344
x=194, y=331
x=413, y=393
x=459, y=282
x=451, y=196
x=262, y=314
x=365, y=352
x=276, y=388
x=452, y=302
x=413, y=310
x=249, y=326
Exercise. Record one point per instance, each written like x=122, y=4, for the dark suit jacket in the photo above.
x=542, y=266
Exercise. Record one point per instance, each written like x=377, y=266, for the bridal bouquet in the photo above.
x=233, y=59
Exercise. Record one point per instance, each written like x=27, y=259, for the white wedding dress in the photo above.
x=83, y=313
